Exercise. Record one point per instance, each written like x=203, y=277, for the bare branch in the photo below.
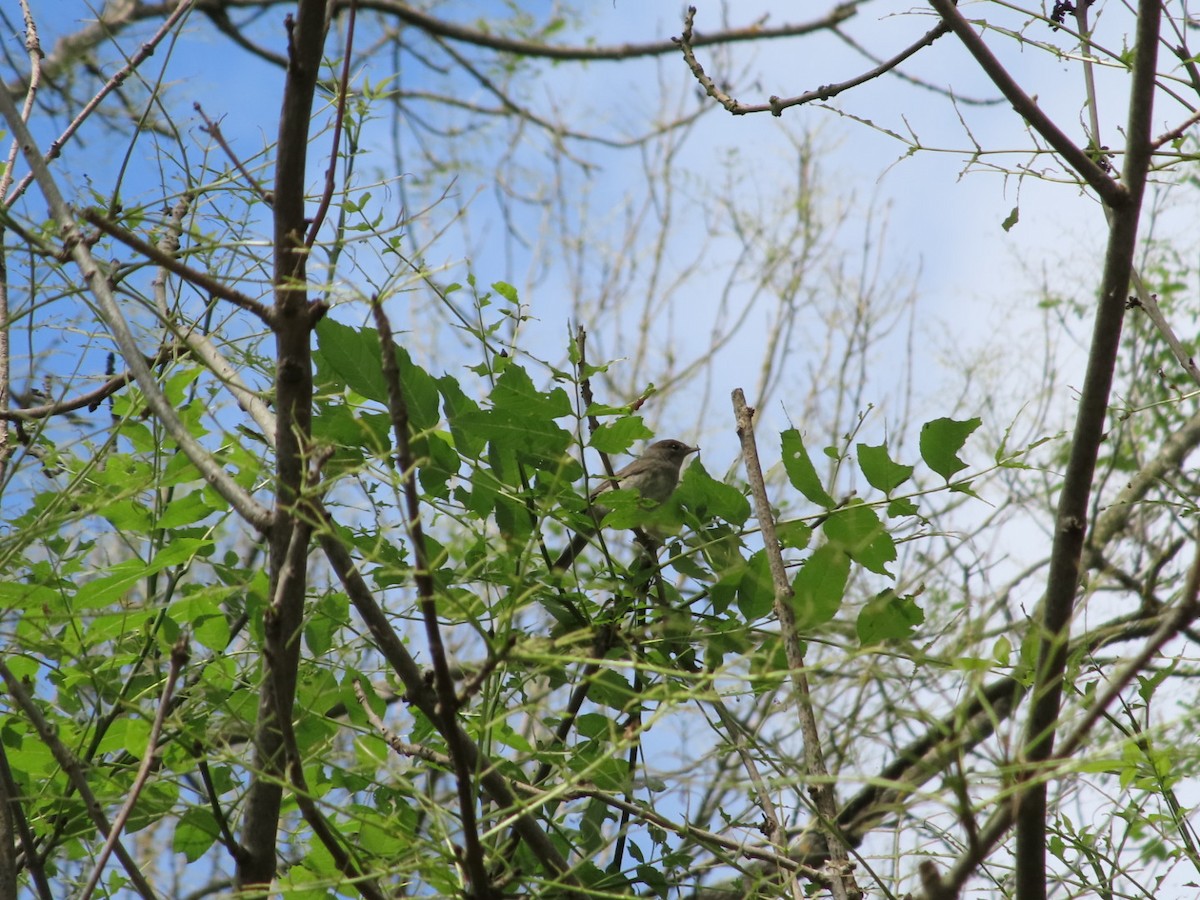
x=202, y=280
x=777, y=105
x=1111, y=192
x=820, y=786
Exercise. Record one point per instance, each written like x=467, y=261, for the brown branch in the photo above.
x=915, y=82
x=447, y=706
x=110, y=311
x=1112, y=192
x=202, y=280
x=1147, y=302
x=944, y=741
x=213, y=130
x=179, y=657
x=821, y=787
x=645, y=814
x=1062, y=580
x=339, y=122
x=292, y=319
x=455, y=32
x=1002, y=819
x=91, y=400
x=776, y=105
x=1177, y=132
x=424, y=697
x=144, y=52
x=13, y=816
x=70, y=766
x=218, y=15
x=291, y=578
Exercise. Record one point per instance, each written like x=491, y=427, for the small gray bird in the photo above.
x=653, y=475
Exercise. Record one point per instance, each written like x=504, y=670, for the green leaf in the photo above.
x=800, y=470
x=355, y=356
x=755, y=590
x=618, y=436
x=611, y=689
x=184, y=510
x=820, y=586
x=941, y=440
x=506, y=290
x=880, y=470
x=1011, y=219
x=456, y=403
x=1002, y=650
x=420, y=392
x=794, y=534
x=521, y=420
x=709, y=498
x=900, y=507
x=196, y=831
x=888, y=617
x=857, y=530
x=126, y=576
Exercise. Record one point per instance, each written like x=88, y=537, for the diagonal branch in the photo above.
x=447, y=697
x=71, y=767
x=422, y=695
x=814, y=761
x=1110, y=191
x=110, y=311
x=776, y=105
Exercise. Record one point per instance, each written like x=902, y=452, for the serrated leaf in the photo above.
x=941, y=439
x=800, y=470
x=900, y=507
x=857, y=530
x=888, y=617
x=881, y=471
x=619, y=436
x=820, y=586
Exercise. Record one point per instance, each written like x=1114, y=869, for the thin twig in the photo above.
x=1110, y=190
x=542, y=797
x=213, y=129
x=424, y=697
x=339, y=121
x=69, y=764
x=533, y=49
x=144, y=52
x=776, y=105
x=202, y=280
x=110, y=311
x=180, y=654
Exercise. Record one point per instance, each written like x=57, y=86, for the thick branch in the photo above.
x=292, y=319
x=1062, y=581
